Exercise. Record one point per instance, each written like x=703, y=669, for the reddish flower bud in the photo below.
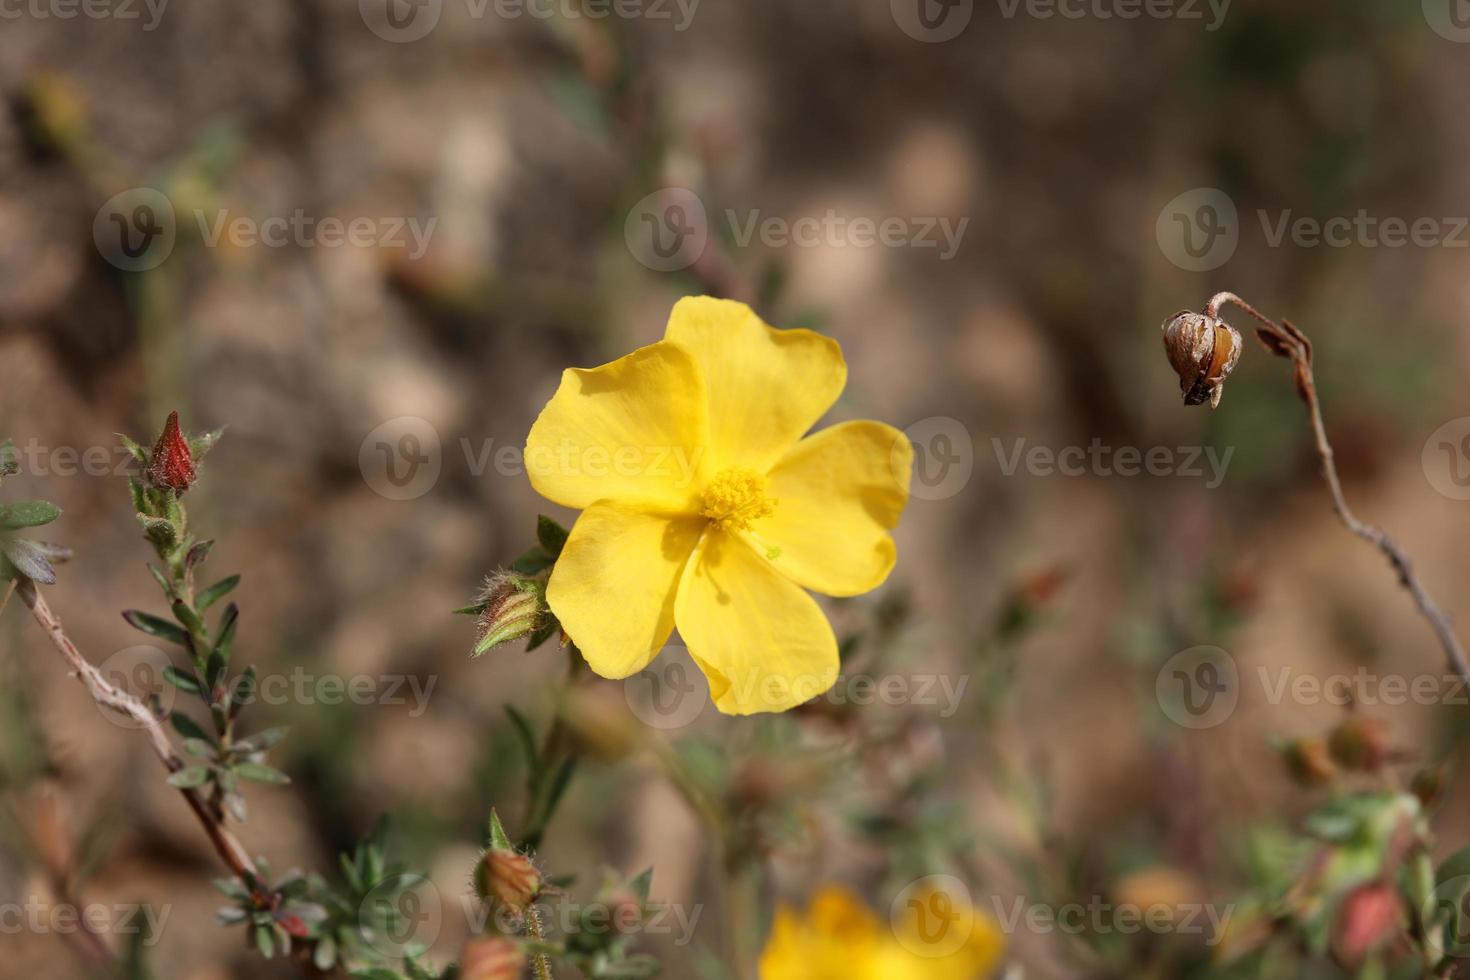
x=172, y=464
x=508, y=877
x=492, y=959
x=1369, y=917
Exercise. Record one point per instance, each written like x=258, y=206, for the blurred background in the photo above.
x=368, y=237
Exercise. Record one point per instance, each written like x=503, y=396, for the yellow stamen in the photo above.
x=735, y=499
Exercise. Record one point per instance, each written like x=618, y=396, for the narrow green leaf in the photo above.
x=189, y=778
x=184, y=682
x=199, y=748
x=27, y=513
x=532, y=562
x=498, y=838
x=259, y=773
x=226, y=635
x=156, y=626
x=553, y=536
x=197, y=554
x=216, y=592
x=25, y=557
x=188, y=727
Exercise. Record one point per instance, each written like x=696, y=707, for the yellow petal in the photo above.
x=838, y=494
x=766, y=387
x=613, y=586
x=763, y=643
x=631, y=430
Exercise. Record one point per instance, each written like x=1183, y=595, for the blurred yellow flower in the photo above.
x=703, y=506
x=839, y=938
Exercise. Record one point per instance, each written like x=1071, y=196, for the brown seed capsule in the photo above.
x=1308, y=761
x=1203, y=350
x=1369, y=916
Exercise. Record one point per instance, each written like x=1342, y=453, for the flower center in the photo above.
x=735, y=499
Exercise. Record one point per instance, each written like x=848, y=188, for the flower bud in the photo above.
x=1308, y=761
x=172, y=464
x=512, y=606
x=1368, y=917
x=492, y=959
x=1203, y=350
x=1359, y=743
x=509, y=877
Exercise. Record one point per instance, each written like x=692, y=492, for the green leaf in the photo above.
x=189, y=778
x=553, y=536
x=188, y=727
x=216, y=592
x=197, y=554
x=201, y=444
x=187, y=683
x=498, y=838
x=199, y=748
x=27, y=513
x=136, y=451
x=188, y=617
x=526, y=736
x=261, y=741
x=256, y=772
x=156, y=626
x=226, y=635
x=28, y=559
x=533, y=562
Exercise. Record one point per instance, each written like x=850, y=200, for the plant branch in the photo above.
x=1285, y=340
x=229, y=849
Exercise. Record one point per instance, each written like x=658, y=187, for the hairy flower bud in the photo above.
x=508, y=877
x=511, y=606
x=492, y=959
x=1203, y=350
x=172, y=464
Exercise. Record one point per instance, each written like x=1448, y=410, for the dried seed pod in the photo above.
x=1203, y=350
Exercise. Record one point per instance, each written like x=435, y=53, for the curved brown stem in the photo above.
x=1285, y=340
x=230, y=850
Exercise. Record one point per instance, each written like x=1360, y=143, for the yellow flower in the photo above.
x=703, y=506
x=839, y=938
